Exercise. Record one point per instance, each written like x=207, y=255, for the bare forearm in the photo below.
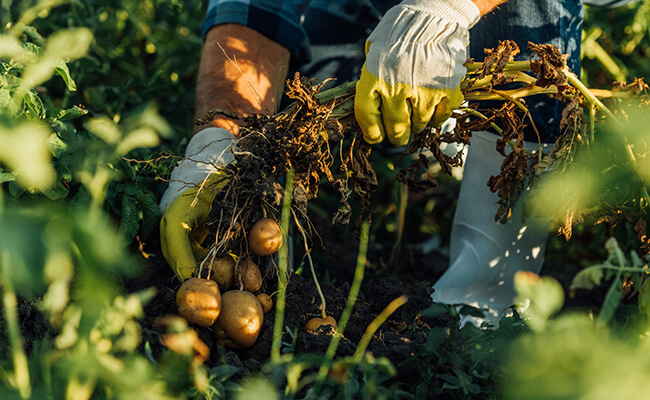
x=485, y=6
x=241, y=71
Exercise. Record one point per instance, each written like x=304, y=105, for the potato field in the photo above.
x=315, y=268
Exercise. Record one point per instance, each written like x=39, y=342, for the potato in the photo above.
x=265, y=301
x=223, y=271
x=313, y=324
x=265, y=237
x=240, y=321
x=249, y=274
x=199, y=301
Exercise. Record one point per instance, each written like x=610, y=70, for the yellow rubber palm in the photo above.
x=187, y=202
x=413, y=69
x=183, y=226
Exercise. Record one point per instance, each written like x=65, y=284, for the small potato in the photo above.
x=199, y=301
x=315, y=323
x=249, y=274
x=265, y=301
x=265, y=237
x=223, y=271
x=240, y=321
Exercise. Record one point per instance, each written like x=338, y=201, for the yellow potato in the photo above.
x=199, y=301
x=249, y=274
x=265, y=301
x=223, y=271
x=265, y=237
x=240, y=321
x=315, y=323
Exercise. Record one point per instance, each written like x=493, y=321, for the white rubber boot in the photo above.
x=484, y=255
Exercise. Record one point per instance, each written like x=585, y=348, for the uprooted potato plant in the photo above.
x=317, y=138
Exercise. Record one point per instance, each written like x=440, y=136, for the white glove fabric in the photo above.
x=414, y=65
x=206, y=151
x=422, y=43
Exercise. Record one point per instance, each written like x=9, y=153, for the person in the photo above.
x=411, y=65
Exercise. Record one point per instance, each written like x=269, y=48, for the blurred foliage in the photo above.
x=616, y=44
x=91, y=88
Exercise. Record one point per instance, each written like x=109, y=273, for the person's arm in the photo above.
x=241, y=71
x=485, y=6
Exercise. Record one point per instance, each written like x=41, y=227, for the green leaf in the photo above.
x=69, y=44
x=10, y=48
x=61, y=68
x=6, y=177
x=588, y=278
x=222, y=373
x=612, y=301
x=56, y=192
x=57, y=146
x=24, y=151
x=58, y=114
x=130, y=221
x=543, y=295
x=141, y=137
x=34, y=103
x=150, y=211
x=105, y=129
x=437, y=336
x=644, y=299
x=435, y=310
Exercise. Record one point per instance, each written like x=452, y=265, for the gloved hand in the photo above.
x=187, y=201
x=414, y=65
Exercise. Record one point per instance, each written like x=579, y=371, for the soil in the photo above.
x=395, y=339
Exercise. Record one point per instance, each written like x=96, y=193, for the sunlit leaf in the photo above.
x=142, y=137
x=61, y=68
x=543, y=296
x=24, y=150
x=70, y=44
x=105, y=129
x=10, y=48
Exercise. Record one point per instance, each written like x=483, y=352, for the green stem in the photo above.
x=330, y=94
x=590, y=97
x=349, y=304
x=9, y=301
x=283, y=261
x=511, y=66
x=375, y=324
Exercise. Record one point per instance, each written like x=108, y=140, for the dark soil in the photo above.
x=396, y=339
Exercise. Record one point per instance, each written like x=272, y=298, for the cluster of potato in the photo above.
x=236, y=315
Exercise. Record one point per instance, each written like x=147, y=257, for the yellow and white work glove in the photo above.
x=413, y=69
x=187, y=202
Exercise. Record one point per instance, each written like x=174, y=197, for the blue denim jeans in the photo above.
x=337, y=30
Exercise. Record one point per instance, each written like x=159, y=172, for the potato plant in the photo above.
x=83, y=145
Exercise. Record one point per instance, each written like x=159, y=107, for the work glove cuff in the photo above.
x=463, y=12
x=208, y=149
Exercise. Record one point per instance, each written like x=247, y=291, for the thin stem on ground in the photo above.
x=349, y=304
x=283, y=262
x=375, y=324
x=323, y=308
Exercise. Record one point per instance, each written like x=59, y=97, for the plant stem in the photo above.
x=375, y=324
x=323, y=307
x=349, y=304
x=283, y=261
x=9, y=302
